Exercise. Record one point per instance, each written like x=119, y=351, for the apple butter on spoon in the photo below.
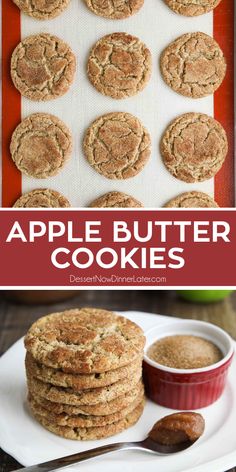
x=171, y=434
x=176, y=432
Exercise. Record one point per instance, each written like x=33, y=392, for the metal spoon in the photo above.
x=151, y=444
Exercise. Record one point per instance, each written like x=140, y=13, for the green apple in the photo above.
x=204, y=296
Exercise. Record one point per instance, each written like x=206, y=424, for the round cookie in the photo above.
x=193, y=65
x=80, y=381
x=42, y=67
x=116, y=200
x=190, y=8
x=42, y=9
x=81, y=421
x=82, y=397
x=119, y=65
x=115, y=9
x=192, y=200
x=99, y=432
x=86, y=340
x=194, y=147
x=100, y=409
x=41, y=145
x=117, y=145
x=42, y=198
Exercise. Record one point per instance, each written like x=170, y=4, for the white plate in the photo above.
x=23, y=438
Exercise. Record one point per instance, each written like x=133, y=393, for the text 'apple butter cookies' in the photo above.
x=190, y=8
x=42, y=198
x=43, y=67
x=194, y=147
x=119, y=65
x=193, y=65
x=84, y=373
x=114, y=9
x=42, y=9
x=116, y=200
x=41, y=145
x=192, y=200
x=117, y=145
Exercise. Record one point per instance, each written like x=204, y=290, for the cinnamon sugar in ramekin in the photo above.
x=184, y=352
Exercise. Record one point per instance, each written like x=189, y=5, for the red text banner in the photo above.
x=90, y=248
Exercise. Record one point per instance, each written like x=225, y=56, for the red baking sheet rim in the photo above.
x=223, y=102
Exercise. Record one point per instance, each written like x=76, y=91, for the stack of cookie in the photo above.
x=84, y=371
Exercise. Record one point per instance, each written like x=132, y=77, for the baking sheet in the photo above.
x=156, y=106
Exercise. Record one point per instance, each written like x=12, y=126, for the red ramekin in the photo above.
x=187, y=389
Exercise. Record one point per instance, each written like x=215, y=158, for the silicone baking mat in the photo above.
x=156, y=106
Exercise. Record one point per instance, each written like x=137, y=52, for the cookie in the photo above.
x=42, y=67
x=194, y=147
x=99, y=432
x=42, y=9
x=193, y=65
x=42, y=198
x=192, y=200
x=115, y=9
x=117, y=145
x=116, y=200
x=81, y=421
x=80, y=381
x=100, y=409
x=86, y=340
x=119, y=65
x=190, y=8
x=82, y=397
x=41, y=145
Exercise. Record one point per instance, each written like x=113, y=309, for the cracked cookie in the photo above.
x=80, y=381
x=190, y=8
x=194, y=147
x=115, y=9
x=100, y=409
x=192, y=200
x=42, y=9
x=99, y=432
x=80, y=420
x=42, y=198
x=193, y=65
x=42, y=67
x=117, y=145
x=116, y=200
x=119, y=65
x=86, y=340
x=82, y=397
x=41, y=145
